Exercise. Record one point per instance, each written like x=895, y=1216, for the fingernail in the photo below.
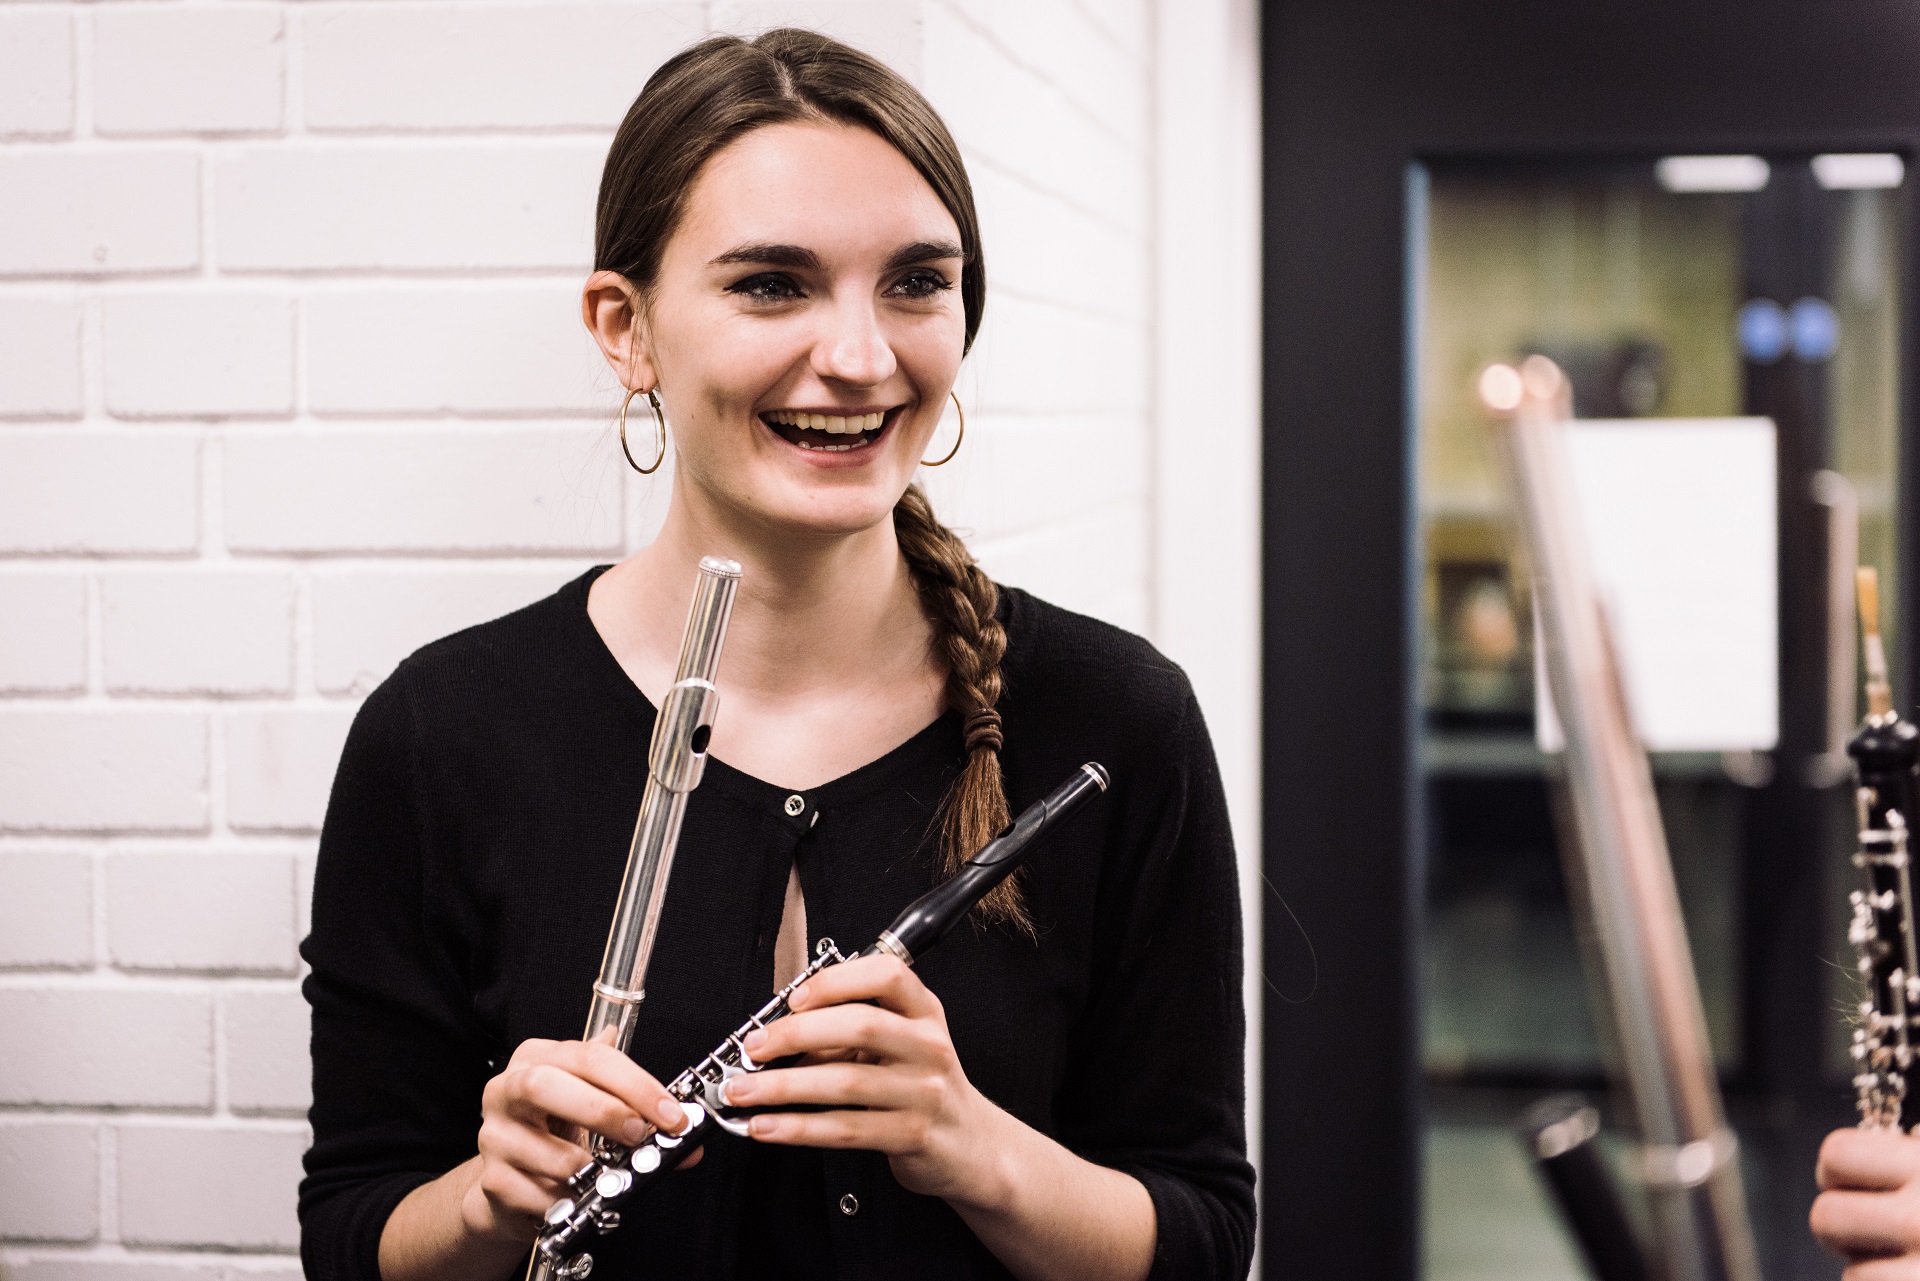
x=799, y=997
x=670, y=1115
x=763, y=1127
x=735, y=1090
x=634, y=1132
x=754, y=1041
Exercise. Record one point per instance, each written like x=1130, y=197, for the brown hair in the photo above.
x=697, y=103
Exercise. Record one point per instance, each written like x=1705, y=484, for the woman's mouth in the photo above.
x=827, y=433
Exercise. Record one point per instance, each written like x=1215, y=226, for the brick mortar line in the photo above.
x=15, y=1250
x=1087, y=112
x=266, y=562
x=82, y=71
x=212, y=146
x=1091, y=17
x=285, y=1121
x=1012, y=173
x=1142, y=320
x=480, y=555
x=154, y=982
x=298, y=280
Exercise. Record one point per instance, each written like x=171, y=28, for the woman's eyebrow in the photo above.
x=769, y=256
x=802, y=258
x=923, y=251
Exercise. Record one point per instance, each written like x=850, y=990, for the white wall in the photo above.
x=239, y=479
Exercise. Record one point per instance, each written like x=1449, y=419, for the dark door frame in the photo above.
x=1357, y=94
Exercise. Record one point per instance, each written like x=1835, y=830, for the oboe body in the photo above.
x=1885, y=753
x=618, y=1173
x=676, y=759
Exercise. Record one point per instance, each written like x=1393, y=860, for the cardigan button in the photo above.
x=795, y=805
x=849, y=1205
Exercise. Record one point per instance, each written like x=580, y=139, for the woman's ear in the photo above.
x=610, y=306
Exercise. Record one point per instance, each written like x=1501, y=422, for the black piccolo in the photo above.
x=617, y=1173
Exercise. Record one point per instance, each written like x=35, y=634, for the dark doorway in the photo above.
x=1372, y=112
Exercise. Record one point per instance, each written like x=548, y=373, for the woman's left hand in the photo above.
x=877, y=1050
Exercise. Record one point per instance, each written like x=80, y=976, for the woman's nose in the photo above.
x=853, y=348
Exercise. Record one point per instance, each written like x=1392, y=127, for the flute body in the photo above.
x=597, y=1192
x=676, y=759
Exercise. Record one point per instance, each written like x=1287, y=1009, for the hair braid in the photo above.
x=961, y=601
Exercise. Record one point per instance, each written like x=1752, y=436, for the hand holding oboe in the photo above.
x=1868, y=1210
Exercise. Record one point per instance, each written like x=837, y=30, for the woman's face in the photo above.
x=805, y=327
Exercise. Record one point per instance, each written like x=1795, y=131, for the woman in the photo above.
x=788, y=261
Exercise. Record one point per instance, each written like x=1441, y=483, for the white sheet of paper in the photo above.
x=1680, y=522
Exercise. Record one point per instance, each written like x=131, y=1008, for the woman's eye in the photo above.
x=924, y=283
x=767, y=287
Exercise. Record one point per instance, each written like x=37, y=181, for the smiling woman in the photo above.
x=788, y=265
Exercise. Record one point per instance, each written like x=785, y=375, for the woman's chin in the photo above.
x=809, y=508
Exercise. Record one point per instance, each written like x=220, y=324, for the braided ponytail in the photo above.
x=961, y=600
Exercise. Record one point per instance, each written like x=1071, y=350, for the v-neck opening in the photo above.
x=940, y=736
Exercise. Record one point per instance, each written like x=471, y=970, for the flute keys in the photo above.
x=577, y=1267
x=613, y=1182
x=646, y=1160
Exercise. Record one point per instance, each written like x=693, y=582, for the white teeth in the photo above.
x=830, y=423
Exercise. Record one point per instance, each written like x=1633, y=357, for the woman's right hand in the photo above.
x=550, y=1091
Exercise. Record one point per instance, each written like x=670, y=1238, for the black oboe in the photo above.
x=1885, y=753
x=616, y=1174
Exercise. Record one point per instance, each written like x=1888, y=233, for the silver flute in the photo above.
x=1619, y=867
x=617, y=1174
x=676, y=759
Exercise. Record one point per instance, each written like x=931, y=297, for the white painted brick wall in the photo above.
x=124, y=1045
x=293, y=382
x=46, y=909
x=407, y=206
x=98, y=210
x=197, y=354
x=210, y=1185
x=48, y=1176
x=367, y=619
x=87, y=491
x=173, y=1266
x=391, y=67
x=188, y=68
x=481, y=487
x=221, y=910
x=265, y=1042
x=43, y=633
x=36, y=72
x=169, y=632
x=484, y=348
x=40, y=332
x=102, y=769
x=280, y=764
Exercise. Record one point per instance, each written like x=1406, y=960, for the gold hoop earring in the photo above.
x=660, y=425
x=955, y=398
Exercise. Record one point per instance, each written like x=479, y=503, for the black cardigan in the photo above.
x=468, y=868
